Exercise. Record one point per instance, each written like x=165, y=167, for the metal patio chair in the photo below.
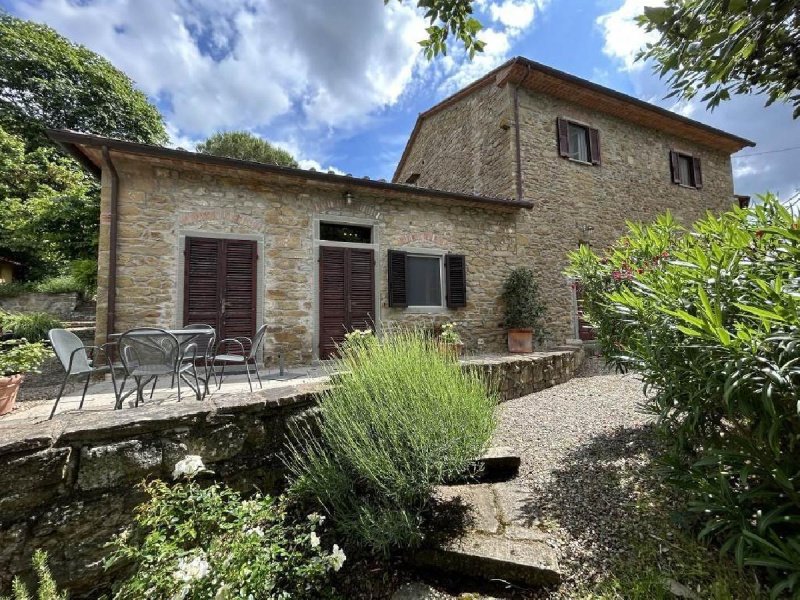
x=246, y=358
x=78, y=360
x=206, y=344
x=148, y=353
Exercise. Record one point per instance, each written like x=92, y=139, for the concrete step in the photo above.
x=499, y=463
x=499, y=540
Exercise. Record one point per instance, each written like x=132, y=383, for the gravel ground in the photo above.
x=581, y=444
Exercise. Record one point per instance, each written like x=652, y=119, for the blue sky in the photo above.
x=339, y=82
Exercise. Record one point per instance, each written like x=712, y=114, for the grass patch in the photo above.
x=61, y=284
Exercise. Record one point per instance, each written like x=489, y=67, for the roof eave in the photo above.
x=72, y=141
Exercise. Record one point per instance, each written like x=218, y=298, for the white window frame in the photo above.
x=429, y=253
x=586, y=134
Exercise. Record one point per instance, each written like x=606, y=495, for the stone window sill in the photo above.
x=581, y=162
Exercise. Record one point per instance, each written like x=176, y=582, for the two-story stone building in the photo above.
x=516, y=169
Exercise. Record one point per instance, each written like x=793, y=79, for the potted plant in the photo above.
x=523, y=309
x=451, y=340
x=17, y=357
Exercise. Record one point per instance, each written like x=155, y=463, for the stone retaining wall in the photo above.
x=69, y=484
x=58, y=305
x=522, y=374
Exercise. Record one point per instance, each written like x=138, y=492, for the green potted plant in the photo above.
x=18, y=357
x=451, y=340
x=523, y=309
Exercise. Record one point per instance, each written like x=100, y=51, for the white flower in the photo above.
x=316, y=518
x=188, y=467
x=223, y=593
x=337, y=557
x=255, y=531
x=191, y=569
x=314, y=539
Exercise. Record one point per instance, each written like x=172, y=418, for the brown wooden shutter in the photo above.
x=456, y=271
x=562, y=130
x=398, y=295
x=674, y=166
x=361, y=289
x=201, y=289
x=594, y=146
x=698, y=172
x=239, y=288
x=333, y=281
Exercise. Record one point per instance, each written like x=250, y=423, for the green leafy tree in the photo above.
x=47, y=81
x=245, y=146
x=449, y=17
x=724, y=47
x=50, y=207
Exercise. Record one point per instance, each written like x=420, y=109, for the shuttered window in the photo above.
x=686, y=169
x=425, y=280
x=578, y=142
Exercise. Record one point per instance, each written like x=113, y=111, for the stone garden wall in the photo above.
x=69, y=484
x=59, y=305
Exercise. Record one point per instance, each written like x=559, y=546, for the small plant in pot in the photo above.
x=451, y=340
x=18, y=357
x=524, y=310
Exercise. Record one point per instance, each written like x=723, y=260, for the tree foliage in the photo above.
x=449, y=17
x=722, y=47
x=245, y=146
x=50, y=207
x=47, y=81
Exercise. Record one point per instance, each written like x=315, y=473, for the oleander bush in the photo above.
x=400, y=418
x=710, y=318
x=32, y=326
x=207, y=542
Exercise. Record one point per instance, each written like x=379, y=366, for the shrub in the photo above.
x=207, y=542
x=31, y=326
x=523, y=309
x=401, y=418
x=84, y=272
x=47, y=589
x=20, y=356
x=14, y=289
x=62, y=284
x=711, y=320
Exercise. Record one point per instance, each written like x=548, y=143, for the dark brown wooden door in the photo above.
x=346, y=294
x=220, y=285
x=585, y=330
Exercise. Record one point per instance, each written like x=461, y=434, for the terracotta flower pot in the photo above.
x=520, y=340
x=9, y=387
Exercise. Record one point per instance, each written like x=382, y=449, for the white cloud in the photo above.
x=511, y=19
x=227, y=64
x=623, y=36
x=517, y=15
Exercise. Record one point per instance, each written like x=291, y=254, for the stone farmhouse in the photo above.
x=516, y=169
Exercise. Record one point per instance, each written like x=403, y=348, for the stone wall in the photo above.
x=162, y=201
x=58, y=305
x=69, y=484
x=468, y=147
x=575, y=202
x=522, y=374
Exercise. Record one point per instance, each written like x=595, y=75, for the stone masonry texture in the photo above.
x=574, y=202
x=71, y=483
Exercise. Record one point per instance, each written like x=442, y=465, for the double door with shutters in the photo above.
x=346, y=294
x=220, y=283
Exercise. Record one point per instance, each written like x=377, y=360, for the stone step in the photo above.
x=499, y=540
x=499, y=463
